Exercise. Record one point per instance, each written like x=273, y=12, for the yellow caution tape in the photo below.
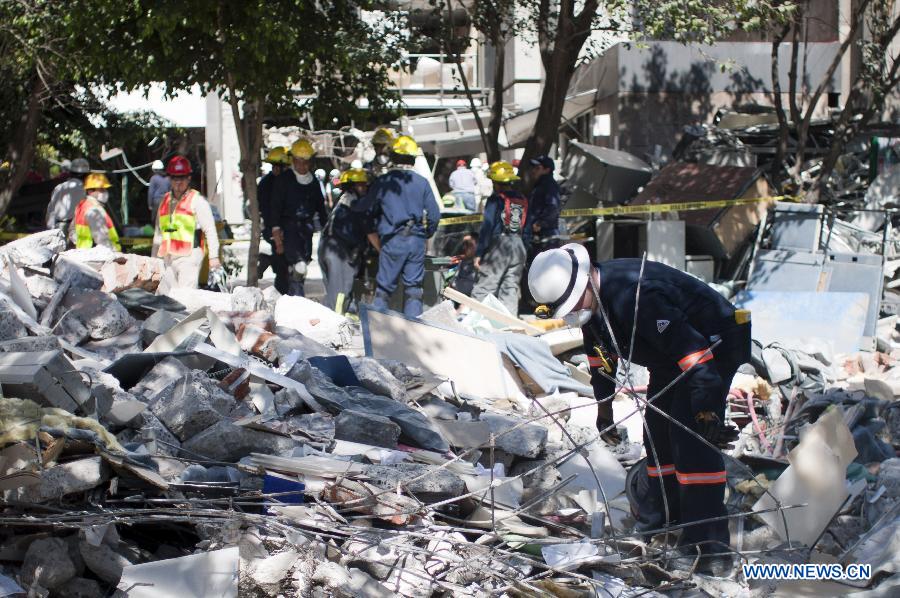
x=641, y=209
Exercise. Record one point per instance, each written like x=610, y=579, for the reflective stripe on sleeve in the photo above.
x=714, y=477
x=695, y=358
x=662, y=470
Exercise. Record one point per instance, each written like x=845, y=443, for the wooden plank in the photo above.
x=491, y=314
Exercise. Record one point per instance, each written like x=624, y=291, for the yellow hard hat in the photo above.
x=383, y=136
x=302, y=148
x=96, y=180
x=278, y=155
x=354, y=175
x=502, y=172
x=405, y=146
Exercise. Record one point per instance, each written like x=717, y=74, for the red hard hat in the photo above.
x=179, y=166
x=460, y=163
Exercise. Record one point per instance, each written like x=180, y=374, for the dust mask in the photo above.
x=304, y=179
x=577, y=319
x=102, y=196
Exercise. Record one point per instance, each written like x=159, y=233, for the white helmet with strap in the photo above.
x=557, y=278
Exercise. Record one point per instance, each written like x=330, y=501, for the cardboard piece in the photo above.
x=211, y=574
x=489, y=313
x=816, y=476
x=473, y=364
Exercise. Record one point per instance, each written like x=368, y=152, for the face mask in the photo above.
x=577, y=319
x=102, y=196
x=382, y=159
x=304, y=179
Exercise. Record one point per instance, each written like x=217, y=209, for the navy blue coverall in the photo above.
x=341, y=249
x=543, y=209
x=405, y=213
x=264, y=191
x=679, y=318
x=293, y=208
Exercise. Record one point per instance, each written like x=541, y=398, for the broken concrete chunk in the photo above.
x=374, y=377
x=30, y=344
x=159, y=377
x=227, y=442
x=428, y=483
x=190, y=405
x=102, y=314
x=366, y=428
x=131, y=271
x=70, y=327
x=77, y=274
x=48, y=379
x=41, y=288
x=47, y=564
x=103, y=561
x=10, y=325
x=67, y=478
x=270, y=573
x=257, y=341
x=79, y=587
x=36, y=249
x=247, y=299
x=526, y=441
x=159, y=322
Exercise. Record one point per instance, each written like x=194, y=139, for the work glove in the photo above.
x=278, y=238
x=717, y=433
x=218, y=280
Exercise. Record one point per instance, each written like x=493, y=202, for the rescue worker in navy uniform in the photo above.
x=279, y=159
x=296, y=200
x=404, y=213
x=344, y=241
x=500, y=255
x=683, y=326
x=544, y=204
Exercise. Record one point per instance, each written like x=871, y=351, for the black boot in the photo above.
x=708, y=558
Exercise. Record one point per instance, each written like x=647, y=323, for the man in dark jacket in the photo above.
x=296, y=200
x=542, y=226
x=279, y=159
x=686, y=335
x=404, y=213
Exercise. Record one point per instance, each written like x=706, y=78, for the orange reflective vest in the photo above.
x=84, y=238
x=179, y=229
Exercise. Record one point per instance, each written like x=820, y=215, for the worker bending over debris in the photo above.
x=344, y=241
x=686, y=334
x=404, y=212
x=296, y=199
x=93, y=224
x=500, y=255
x=185, y=227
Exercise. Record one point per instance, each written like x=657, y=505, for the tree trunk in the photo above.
x=20, y=150
x=249, y=132
x=493, y=136
x=784, y=127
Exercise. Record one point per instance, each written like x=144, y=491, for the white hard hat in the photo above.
x=320, y=174
x=80, y=166
x=356, y=164
x=475, y=163
x=557, y=278
x=334, y=173
x=157, y=165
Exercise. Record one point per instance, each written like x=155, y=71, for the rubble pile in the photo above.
x=210, y=444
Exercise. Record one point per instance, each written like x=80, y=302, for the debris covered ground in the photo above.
x=212, y=444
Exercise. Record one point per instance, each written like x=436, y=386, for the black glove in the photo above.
x=719, y=434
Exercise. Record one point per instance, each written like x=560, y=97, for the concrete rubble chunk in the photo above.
x=101, y=314
x=258, y=341
x=526, y=441
x=235, y=320
x=226, y=441
x=30, y=344
x=374, y=377
x=103, y=561
x=47, y=378
x=67, y=478
x=428, y=483
x=247, y=299
x=47, y=564
x=191, y=404
x=10, y=325
x=159, y=377
x=36, y=249
x=270, y=574
x=80, y=587
x=366, y=428
x=40, y=287
x=131, y=271
x=77, y=274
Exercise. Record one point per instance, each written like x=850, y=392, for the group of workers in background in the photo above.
x=384, y=204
